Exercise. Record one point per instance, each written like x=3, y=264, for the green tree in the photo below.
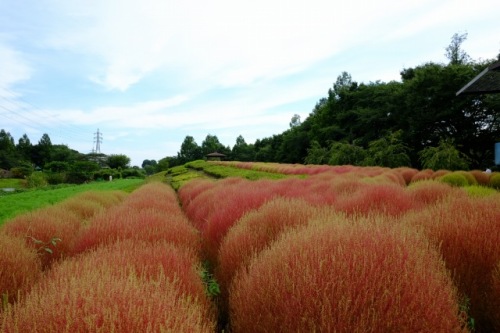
x=211, y=144
x=342, y=153
x=389, y=151
x=163, y=164
x=242, y=151
x=8, y=155
x=24, y=147
x=454, y=51
x=444, y=156
x=190, y=151
x=116, y=161
x=316, y=154
x=149, y=166
x=42, y=152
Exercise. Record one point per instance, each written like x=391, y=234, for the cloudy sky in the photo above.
x=147, y=73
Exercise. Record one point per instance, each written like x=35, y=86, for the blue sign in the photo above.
x=497, y=153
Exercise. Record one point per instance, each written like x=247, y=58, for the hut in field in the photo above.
x=215, y=156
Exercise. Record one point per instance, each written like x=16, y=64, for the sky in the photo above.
x=148, y=73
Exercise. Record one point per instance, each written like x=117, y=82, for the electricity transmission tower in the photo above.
x=97, y=142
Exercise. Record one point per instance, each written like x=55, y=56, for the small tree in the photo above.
x=389, y=151
x=118, y=161
x=342, y=153
x=444, y=156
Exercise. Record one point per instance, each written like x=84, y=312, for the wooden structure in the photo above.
x=486, y=82
x=215, y=156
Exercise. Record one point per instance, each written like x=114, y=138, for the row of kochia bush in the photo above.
x=103, y=262
x=355, y=250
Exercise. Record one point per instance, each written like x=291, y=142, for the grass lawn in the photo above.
x=11, y=183
x=22, y=202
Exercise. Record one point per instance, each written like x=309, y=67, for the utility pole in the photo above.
x=97, y=142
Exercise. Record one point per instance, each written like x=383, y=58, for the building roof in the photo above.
x=487, y=82
x=216, y=154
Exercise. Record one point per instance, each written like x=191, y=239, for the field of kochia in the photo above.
x=314, y=249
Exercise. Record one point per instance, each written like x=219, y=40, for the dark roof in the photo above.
x=487, y=82
x=216, y=154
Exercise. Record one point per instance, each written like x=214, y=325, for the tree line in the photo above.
x=57, y=163
x=417, y=122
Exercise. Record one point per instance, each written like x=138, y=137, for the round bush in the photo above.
x=345, y=277
x=495, y=180
x=455, y=179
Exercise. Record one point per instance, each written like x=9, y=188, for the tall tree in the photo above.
x=190, y=151
x=24, y=147
x=42, y=152
x=454, y=52
x=8, y=156
x=211, y=144
x=242, y=151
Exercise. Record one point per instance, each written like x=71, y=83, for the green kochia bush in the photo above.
x=455, y=179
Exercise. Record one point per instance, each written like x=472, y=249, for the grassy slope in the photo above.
x=17, y=203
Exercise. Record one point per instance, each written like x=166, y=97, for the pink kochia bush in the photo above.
x=256, y=230
x=128, y=286
x=344, y=276
x=467, y=231
x=151, y=213
x=20, y=267
x=39, y=228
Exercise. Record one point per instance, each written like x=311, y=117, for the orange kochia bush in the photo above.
x=467, y=230
x=338, y=275
x=128, y=286
x=20, y=267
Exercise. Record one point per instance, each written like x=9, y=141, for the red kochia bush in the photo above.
x=495, y=298
x=154, y=195
x=388, y=199
x=256, y=230
x=123, y=222
x=42, y=226
x=20, y=266
x=429, y=192
x=467, y=231
x=92, y=293
x=341, y=277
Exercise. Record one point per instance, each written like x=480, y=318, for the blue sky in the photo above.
x=148, y=73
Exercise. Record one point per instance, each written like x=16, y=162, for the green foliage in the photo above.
x=163, y=164
x=389, y=151
x=212, y=288
x=444, y=156
x=479, y=191
x=344, y=154
x=190, y=151
x=116, y=161
x=44, y=247
x=242, y=151
x=495, y=180
x=37, y=179
x=455, y=179
x=316, y=154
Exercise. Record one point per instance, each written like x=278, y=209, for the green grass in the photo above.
x=219, y=171
x=179, y=175
x=11, y=183
x=25, y=201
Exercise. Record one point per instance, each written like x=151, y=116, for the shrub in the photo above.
x=37, y=179
x=466, y=230
x=479, y=191
x=495, y=298
x=345, y=277
x=123, y=222
x=482, y=178
x=255, y=231
x=91, y=294
x=406, y=173
x=425, y=174
x=388, y=199
x=50, y=231
x=430, y=192
x=455, y=179
x=20, y=267
x=495, y=180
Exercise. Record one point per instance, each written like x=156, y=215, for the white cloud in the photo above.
x=14, y=69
